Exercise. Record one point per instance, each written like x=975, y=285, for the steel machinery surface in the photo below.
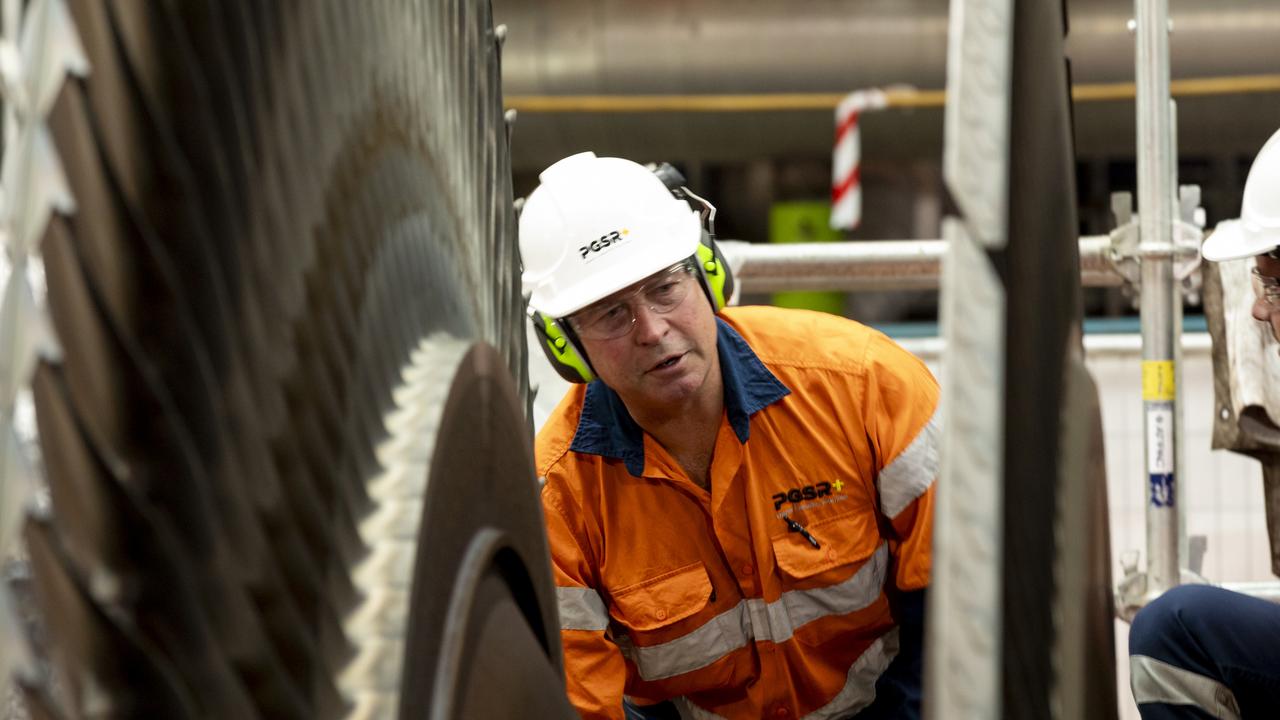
x=1021, y=519
x=288, y=467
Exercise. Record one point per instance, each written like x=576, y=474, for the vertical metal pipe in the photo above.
x=1160, y=335
x=10, y=15
x=1179, y=430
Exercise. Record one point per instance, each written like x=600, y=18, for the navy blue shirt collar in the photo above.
x=606, y=428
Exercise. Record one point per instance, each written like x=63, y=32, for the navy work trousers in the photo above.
x=1204, y=652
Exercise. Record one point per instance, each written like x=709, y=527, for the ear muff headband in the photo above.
x=713, y=270
x=561, y=349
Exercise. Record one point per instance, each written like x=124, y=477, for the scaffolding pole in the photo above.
x=854, y=266
x=1160, y=299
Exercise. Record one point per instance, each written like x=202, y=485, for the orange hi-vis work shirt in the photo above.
x=716, y=600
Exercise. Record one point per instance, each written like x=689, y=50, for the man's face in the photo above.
x=1264, y=309
x=665, y=356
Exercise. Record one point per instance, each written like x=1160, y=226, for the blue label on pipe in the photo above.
x=1161, y=489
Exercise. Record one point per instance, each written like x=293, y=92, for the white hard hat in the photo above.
x=596, y=225
x=1257, y=231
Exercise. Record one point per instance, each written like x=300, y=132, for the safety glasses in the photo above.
x=1266, y=288
x=614, y=316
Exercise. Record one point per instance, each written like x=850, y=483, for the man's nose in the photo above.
x=650, y=326
x=1261, y=310
x=1266, y=312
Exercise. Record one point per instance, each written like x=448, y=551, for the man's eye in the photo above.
x=663, y=290
x=613, y=314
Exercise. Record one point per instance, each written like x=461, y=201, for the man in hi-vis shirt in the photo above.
x=739, y=500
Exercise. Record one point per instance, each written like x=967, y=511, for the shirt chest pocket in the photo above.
x=844, y=539
x=664, y=599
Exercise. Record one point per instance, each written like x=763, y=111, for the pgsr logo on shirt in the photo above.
x=808, y=492
x=606, y=241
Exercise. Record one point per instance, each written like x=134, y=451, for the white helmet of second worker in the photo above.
x=1257, y=231
x=596, y=225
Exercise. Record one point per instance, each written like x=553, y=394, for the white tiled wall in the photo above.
x=1221, y=490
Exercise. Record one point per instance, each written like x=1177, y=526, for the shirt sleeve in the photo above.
x=904, y=425
x=595, y=672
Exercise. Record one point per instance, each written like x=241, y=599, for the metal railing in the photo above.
x=876, y=265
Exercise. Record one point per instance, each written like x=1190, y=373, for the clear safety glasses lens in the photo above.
x=1266, y=288
x=616, y=316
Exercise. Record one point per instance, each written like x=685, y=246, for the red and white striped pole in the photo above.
x=846, y=181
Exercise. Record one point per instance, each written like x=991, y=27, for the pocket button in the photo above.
x=661, y=614
x=747, y=569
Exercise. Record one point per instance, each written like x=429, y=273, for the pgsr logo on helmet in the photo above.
x=605, y=242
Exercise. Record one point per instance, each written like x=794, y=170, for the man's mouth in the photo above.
x=667, y=362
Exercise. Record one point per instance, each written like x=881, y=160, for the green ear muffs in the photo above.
x=562, y=349
x=717, y=279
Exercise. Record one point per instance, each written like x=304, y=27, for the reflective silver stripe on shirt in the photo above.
x=1154, y=681
x=913, y=471
x=581, y=609
x=755, y=619
x=858, y=692
x=860, y=686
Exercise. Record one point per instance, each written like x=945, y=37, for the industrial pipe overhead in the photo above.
x=716, y=47
x=576, y=47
